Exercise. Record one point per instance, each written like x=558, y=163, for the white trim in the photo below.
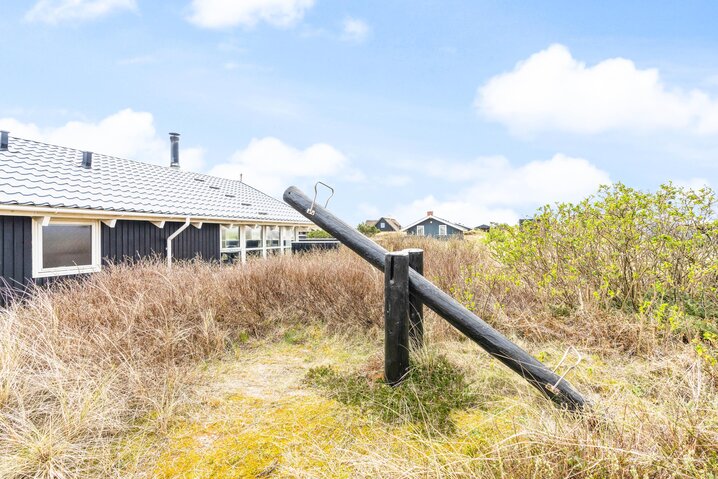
x=197, y=224
x=264, y=241
x=110, y=223
x=172, y=237
x=96, y=214
x=37, y=269
x=281, y=239
x=242, y=244
x=445, y=233
x=159, y=224
x=420, y=232
x=45, y=220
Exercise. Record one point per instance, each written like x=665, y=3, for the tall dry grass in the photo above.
x=86, y=363
x=93, y=372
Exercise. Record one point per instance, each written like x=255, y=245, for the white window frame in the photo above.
x=38, y=271
x=382, y=225
x=444, y=228
x=420, y=230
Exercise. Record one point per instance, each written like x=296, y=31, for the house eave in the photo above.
x=21, y=210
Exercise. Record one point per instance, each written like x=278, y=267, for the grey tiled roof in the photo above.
x=38, y=174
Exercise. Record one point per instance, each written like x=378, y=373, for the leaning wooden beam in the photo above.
x=536, y=373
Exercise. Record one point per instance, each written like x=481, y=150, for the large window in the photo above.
x=230, y=238
x=229, y=248
x=253, y=237
x=273, y=236
x=420, y=230
x=245, y=241
x=63, y=247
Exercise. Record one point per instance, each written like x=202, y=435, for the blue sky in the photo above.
x=477, y=110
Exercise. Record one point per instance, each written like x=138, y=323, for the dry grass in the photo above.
x=94, y=375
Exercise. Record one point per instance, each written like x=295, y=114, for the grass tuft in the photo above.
x=432, y=390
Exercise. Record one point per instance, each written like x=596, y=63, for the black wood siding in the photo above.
x=15, y=252
x=133, y=240
x=128, y=240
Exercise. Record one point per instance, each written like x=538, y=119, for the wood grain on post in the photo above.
x=416, y=305
x=396, y=317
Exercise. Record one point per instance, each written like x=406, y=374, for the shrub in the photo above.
x=367, y=230
x=318, y=234
x=653, y=254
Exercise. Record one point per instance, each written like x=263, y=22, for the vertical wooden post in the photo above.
x=396, y=317
x=416, y=305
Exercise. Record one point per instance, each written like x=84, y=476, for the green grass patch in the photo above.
x=433, y=389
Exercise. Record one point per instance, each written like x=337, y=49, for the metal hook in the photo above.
x=311, y=211
x=565, y=355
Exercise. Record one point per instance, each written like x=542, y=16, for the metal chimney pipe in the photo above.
x=4, y=140
x=174, y=150
x=87, y=159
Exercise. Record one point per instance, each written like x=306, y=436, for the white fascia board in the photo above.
x=18, y=210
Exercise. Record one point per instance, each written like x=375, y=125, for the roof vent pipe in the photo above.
x=87, y=159
x=174, y=151
x=4, y=140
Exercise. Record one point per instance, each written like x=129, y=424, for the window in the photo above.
x=287, y=236
x=442, y=230
x=420, y=230
x=273, y=236
x=65, y=247
x=230, y=238
x=382, y=225
x=253, y=237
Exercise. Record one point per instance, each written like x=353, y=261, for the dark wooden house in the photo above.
x=384, y=224
x=68, y=212
x=435, y=227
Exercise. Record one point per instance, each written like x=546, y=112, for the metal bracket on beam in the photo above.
x=45, y=220
x=159, y=224
x=197, y=224
x=110, y=223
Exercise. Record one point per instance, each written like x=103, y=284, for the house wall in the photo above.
x=141, y=239
x=387, y=226
x=431, y=228
x=15, y=252
x=128, y=240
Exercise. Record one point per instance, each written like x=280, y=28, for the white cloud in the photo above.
x=138, y=60
x=553, y=91
x=354, y=30
x=271, y=166
x=126, y=134
x=220, y=14
x=692, y=183
x=500, y=192
x=58, y=11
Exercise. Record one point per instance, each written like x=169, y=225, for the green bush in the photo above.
x=650, y=253
x=367, y=230
x=318, y=234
